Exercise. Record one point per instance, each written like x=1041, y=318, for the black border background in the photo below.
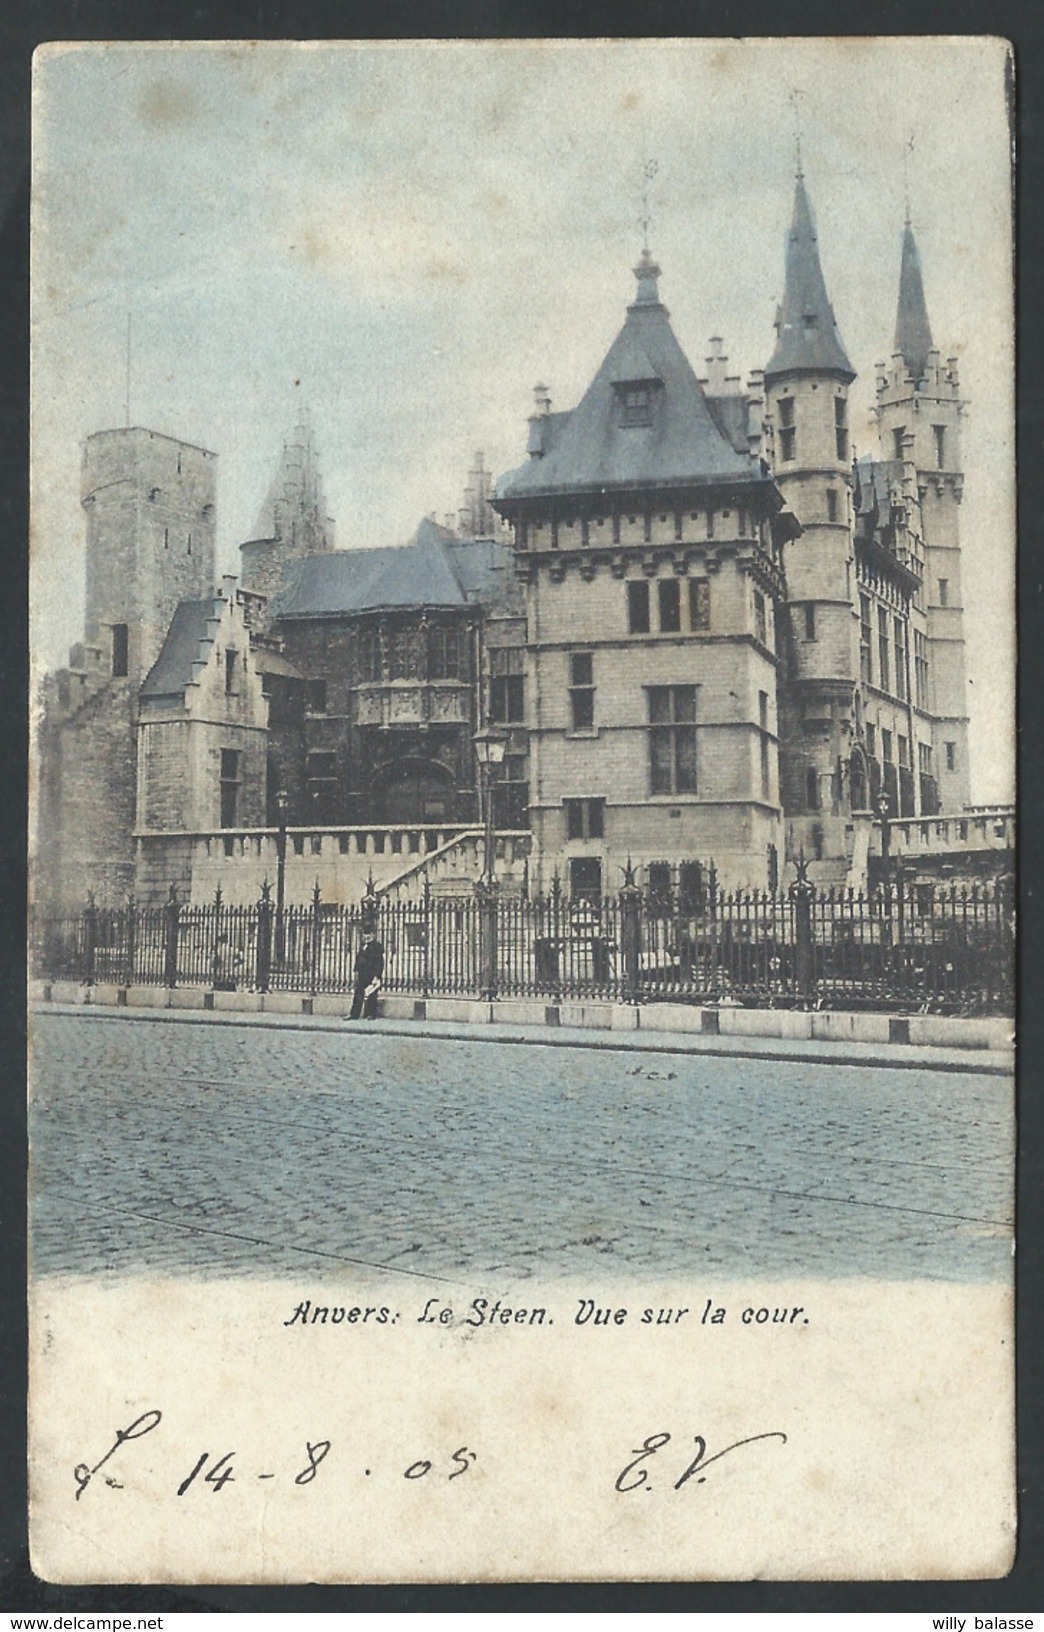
x=22, y=27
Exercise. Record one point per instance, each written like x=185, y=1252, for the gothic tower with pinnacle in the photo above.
x=919, y=411
x=806, y=403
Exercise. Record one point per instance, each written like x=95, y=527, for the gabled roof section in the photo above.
x=873, y=485
x=172, y=670
x=593, y=448
x=913, y=332
x=485, y=569
x=807, y=339
x=434, y=570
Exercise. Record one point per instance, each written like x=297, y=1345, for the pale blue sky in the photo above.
x=417, y=235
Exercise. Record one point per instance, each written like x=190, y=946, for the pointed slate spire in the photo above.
x=913, y=334
x=806, y=334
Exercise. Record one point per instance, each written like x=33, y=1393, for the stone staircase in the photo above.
x=454, y=868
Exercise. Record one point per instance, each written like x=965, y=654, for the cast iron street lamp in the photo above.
x=884, y=805
x=282, y=805
x=490, y=747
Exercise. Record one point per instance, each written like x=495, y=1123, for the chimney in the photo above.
x=537, y=428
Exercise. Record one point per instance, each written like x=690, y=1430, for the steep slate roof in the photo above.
x=806, y=333
x=433, y=570
x=172, y=670
x=731, y=416
x=591, y=449
x=913, y=333
x=485, y=570
x=875, y=480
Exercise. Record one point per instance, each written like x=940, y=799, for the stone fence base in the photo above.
x=791, y=1025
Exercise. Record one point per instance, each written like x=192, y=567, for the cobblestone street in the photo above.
x=165, y=1148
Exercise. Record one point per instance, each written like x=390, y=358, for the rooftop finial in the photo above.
x=127, y=377
x=908, y=147
x=799, y=171
x=649, y=170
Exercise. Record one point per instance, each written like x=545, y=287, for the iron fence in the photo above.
x=909, y=947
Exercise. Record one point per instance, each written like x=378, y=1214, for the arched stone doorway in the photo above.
x=413, y=790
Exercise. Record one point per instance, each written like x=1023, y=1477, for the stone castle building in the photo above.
x=710, y=638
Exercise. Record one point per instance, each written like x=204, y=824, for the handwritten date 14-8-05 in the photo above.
x=215, y=1471
x=222, y=1468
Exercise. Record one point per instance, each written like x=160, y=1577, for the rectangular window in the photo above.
x=951, y=756
x=658, y=881
x=900, y=659
x=944, y=592
x=230, y=672
x=865, y=639
x=444, y=654
x=669, y=595
x=831, y=504
x=699, y=604
x=229, y=786
x=810, y=621
x=585, y=878
x=939, y=432
x=369, y=655
x=884, y=667
x=672, y=739
x=507, y=699
x=322, y=787
x=920, y=669
x=787, y=433
x=904, y=752
x=691, y=892
x=886, y=747
x=317, y=696
x=512, y=807
x=581, y=690
x=638, y=608
x=871, y=741
x=763, y=723
x=924, y=758
x=760, y=618
x=897, y=440
x=841, y=427
x=120, y=651
x=585, y=818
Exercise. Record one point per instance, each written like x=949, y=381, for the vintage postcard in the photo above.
x=523, y=828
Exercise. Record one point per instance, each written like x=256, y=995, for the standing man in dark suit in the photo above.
x=369, y=967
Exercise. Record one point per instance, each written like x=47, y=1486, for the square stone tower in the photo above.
x=149, y=504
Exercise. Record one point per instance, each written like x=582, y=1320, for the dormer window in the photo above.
x=635, y=398
x=810, y=321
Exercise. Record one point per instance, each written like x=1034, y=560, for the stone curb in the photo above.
x=479, y=1025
